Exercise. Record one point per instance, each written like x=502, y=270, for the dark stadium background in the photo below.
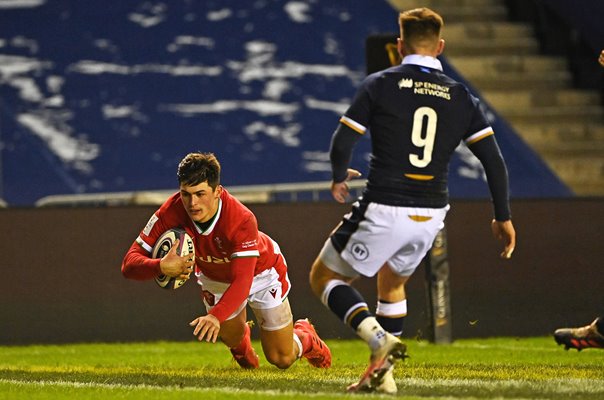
x=108, y=96
x=100, y=96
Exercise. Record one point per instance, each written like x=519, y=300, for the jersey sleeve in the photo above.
x=242, y=269
x=479, y=125
x=137, y=263
x=152, y=231
x=353, y=125
x=243, y=265
x=358, y=114
x=487, y=151
x=340, y=152
x=245, y=239
x=481, y=141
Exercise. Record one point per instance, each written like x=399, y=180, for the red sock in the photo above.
x=241, y=347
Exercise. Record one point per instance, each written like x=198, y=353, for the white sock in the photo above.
x=299, y=343
x=372, y=332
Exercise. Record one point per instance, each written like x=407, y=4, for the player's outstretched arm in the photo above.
x=206, y=326
x=504, y=231
x=495, y=169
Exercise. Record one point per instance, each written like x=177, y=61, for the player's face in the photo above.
x=200, y=201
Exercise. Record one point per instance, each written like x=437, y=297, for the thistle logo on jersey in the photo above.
x=405, y=83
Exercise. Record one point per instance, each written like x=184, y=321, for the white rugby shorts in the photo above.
x=377, y=234
x=266, y=298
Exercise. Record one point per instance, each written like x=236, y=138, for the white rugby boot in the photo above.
x=378, y=376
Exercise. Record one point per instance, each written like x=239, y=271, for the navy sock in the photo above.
x=391, y=315
x=392, y=325
x=348, y=304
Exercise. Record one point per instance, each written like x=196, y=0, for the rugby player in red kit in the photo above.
x=235, y=264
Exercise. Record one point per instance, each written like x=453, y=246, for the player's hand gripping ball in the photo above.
x=163, y=245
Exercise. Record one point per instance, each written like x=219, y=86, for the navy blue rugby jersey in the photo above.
x=416, y=116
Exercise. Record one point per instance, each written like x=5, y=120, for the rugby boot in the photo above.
x=381, y=364
x=388, y=385
x=314, y=349
x=244, y=354
x=580, y=338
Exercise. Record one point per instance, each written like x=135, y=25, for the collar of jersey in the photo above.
x=211, y=227
x=424, y=61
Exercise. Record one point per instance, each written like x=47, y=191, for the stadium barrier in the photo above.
x=62, y=279
x=313, y=191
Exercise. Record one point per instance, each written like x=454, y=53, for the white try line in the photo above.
x=562, y=385
x=542, y=387
x=118, y=386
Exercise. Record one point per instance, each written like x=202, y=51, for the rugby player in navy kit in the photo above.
x=417, y=116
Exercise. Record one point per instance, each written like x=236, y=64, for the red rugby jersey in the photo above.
x=232, y=235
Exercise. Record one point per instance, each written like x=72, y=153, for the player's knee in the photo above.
x=280, y=359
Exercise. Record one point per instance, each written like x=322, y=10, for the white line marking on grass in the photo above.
x=504, y=347
x=119, y=386
x=542, y=386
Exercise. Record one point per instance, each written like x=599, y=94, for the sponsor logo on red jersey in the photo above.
x=214, y=260
x=249, y=243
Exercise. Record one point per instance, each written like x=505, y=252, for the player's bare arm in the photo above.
x=206, y=326
x=340, y=190
x=504, y=231
x=176, y=266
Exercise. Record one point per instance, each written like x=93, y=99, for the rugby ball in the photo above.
x=161, y=248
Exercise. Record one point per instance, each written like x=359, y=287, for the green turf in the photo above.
x=506, y=368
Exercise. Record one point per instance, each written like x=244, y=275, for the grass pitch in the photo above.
x=503, y=368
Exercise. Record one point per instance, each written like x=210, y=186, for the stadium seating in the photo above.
x=516, y=54
x=261, y=84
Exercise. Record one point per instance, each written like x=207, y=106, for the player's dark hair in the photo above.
x=197, y=168
x=420, y=25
